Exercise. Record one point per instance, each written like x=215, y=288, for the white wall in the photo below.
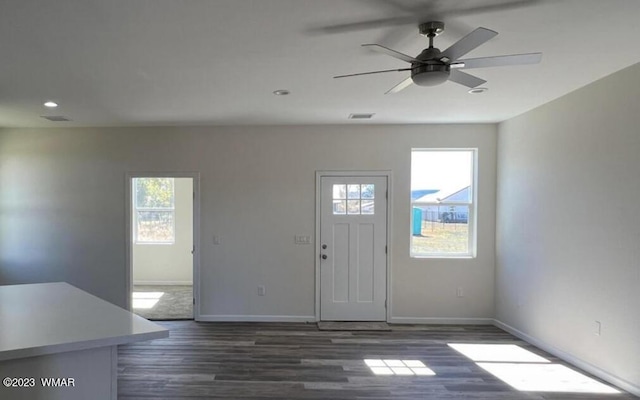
x=568, y=231
x=170, y=263
x=62, y=207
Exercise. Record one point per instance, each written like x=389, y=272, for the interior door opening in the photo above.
x=162, y=247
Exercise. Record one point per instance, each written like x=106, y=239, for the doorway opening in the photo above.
x=162, y=250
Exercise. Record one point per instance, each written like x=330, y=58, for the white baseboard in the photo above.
x=571, y=359
x=163, y=283
x=440, y=321
x=257, y=318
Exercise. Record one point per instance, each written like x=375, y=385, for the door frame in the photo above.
x=195, y=226
x=359, y=173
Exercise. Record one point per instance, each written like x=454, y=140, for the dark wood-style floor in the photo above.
x=296, y=361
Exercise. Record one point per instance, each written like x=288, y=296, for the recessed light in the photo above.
x=281, y=92
x=478, y=90
x=51, y=104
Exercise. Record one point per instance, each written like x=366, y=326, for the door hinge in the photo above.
x=194, y=301
x=385, y=249
x=385, y=303
x=386, y=194
x=194, y=195
x=193, y=249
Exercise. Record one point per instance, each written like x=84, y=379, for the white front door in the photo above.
x=353, y=240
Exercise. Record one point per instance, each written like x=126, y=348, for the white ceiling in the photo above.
x=172, y=62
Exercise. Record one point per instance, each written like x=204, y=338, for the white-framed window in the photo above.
x=443, y=204
x=154, y=208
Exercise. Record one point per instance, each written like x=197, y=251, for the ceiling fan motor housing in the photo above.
x=431, y=71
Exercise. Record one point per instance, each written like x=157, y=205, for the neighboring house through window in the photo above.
x=443, y=202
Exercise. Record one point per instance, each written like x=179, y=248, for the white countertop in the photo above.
x=48, y=318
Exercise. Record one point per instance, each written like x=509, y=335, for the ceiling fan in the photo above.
x=433, y=67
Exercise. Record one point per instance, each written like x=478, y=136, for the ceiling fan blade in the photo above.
x=465, y=79
x=372, y=72
x=364, y=25
x=487, y=8
x=499, y=61
x=391, y=5
x=468, y=43
x=392, y=53
x=400, y=86
x=411, y=14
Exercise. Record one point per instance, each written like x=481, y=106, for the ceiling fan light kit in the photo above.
x=433, y=67
x=430, y=74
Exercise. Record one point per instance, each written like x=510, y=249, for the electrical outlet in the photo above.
x=261, y=290
x=460, y=292
x=598, y=329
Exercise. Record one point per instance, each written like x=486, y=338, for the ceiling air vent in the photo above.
x=361, y=116
x=55, y=118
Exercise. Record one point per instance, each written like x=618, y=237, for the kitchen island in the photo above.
x=59, y=342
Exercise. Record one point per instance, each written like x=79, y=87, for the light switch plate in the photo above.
x=302, y=239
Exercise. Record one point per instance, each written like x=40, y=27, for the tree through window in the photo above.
x=155, y=210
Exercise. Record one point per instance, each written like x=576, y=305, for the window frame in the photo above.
x=137, y=209
x=472, y=204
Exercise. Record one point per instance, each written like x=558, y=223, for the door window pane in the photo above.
x=353, y=206
x=354, y=191
x=339, y=191
x=360, y=199
x=339, y=207
x=367, y=207
x=368, y=191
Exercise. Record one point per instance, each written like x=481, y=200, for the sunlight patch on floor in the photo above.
x=398, y=367
x=497, y=353
x=545, y=378
x=145, y=300
x=526, y=371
